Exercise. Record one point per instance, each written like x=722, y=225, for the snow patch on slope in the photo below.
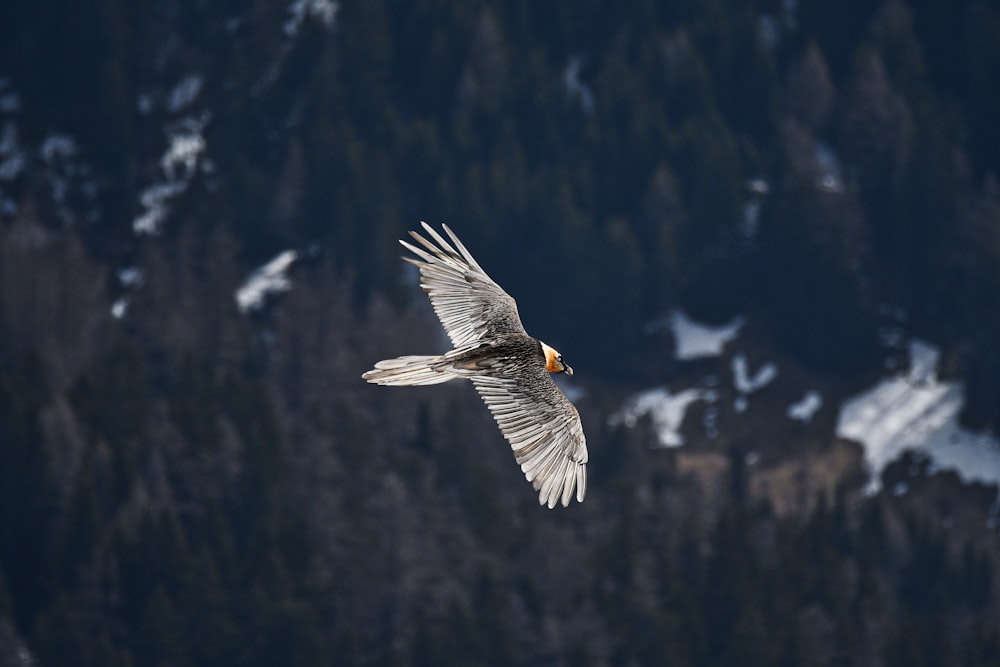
x=178, y=164
x=666, y=411
x=694, y=340
x=185, y=92
x=12, y=159
x=324, y=10
x=746, y=384
x=271, y=278
x=919, y=412
x=804, y=409
x=575, y=87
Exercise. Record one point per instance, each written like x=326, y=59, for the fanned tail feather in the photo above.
x=410, y=370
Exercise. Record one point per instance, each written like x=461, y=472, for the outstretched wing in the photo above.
x=544, y=430
x=469, y=304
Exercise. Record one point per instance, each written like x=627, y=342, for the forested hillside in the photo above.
x=185, y=480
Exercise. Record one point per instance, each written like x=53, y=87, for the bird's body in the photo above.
x=509, y=368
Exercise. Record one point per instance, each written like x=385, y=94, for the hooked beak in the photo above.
x=567, y=369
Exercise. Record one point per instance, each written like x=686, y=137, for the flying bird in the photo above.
x=508, y=368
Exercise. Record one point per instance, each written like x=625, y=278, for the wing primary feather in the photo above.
x=462, y=249
x=554, y=481
x=543, y=492
x=442, y=252
x=540, y=463
x=532, y=454
x=569, y=481
x=440, y=240
x=435, y=258
x=551, y=466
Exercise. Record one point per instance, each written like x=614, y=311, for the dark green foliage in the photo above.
x=62, y=636
x=111, y=399
x=811, y=267
x=84, y=528
x=26, y=505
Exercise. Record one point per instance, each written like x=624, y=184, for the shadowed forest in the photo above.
x=183, y=482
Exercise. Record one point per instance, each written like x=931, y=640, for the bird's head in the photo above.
x=554, y=362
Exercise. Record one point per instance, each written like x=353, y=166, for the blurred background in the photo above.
x=765, y=234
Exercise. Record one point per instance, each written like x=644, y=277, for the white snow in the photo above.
x=154, y=199
x=184, y=93
x=57, y=147
x=695, y=340
x=747, y=384
x=268, y=279
x=665, y=409
x=11, y=156
x=185, y=148
x=804, y=409
x=324, y=10
x=178, y=163
x=758, y=189
x=575, y=87
x=65, y=171
x=119, y=308
x=919, y=412
x=750, y=224
x=829, y=178
x=710, y=418
x=131, y=276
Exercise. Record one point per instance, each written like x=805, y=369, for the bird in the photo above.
x=509, y=369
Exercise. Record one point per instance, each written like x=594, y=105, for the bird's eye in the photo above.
x=559, y=358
